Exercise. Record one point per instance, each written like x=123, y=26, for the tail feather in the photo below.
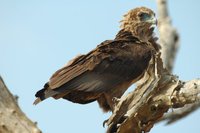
x=44, y=94
x=38, y=100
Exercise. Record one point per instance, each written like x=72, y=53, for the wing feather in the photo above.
x=64, y=76
x=102, y=69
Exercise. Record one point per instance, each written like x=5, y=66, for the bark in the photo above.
x=12, y=119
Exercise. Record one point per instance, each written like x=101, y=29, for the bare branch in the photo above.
x=12, y=119
x=179, y=113
x=169, y=38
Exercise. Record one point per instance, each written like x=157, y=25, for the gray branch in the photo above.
x=168, y=36
x=180, y=113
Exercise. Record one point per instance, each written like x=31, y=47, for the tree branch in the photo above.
x=169, y=40
x=168, y=36
x=12, y=119
x=180, y=113
x=159, y=91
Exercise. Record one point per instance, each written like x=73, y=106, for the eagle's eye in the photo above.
x=144, y=16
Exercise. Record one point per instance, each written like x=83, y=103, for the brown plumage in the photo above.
x=108, y=70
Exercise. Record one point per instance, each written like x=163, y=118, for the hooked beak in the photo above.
x=153, y=21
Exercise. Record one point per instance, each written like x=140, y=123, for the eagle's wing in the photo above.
x=110, y=64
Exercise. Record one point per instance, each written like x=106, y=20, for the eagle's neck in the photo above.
x=125, y=35
x=143, y=32
x=147, y=36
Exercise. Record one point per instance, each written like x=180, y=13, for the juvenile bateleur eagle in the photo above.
x=111, y=68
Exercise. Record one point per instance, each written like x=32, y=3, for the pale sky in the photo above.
x=37, y=37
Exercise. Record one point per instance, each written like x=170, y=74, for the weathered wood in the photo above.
x=168, y=35
x=12, y=119
x=160, y=91
x=169, y=40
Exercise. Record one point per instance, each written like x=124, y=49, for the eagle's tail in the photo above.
x=37, y=100
x=44, y=94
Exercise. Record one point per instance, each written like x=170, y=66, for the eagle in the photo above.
x=106, y=72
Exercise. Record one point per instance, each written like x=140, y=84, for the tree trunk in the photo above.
x=12, y=119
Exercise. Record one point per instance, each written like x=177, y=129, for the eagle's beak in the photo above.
x=153, y=21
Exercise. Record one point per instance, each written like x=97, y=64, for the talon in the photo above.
x=115, y=99
x=104, y=123
x=118, y=125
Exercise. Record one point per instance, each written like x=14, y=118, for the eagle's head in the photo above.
x=140, y=22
